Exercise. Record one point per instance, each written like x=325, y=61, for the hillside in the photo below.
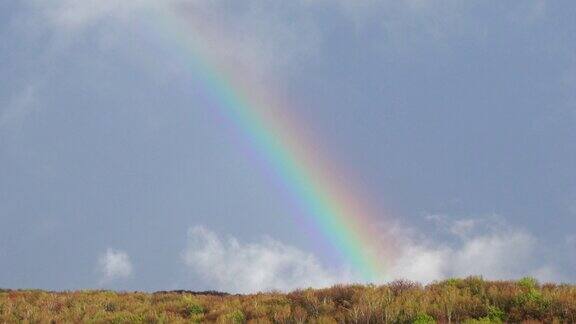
x=470, y=300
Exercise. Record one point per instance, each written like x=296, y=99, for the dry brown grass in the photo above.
x=470, y=300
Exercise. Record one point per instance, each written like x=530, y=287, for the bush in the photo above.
x=110, y=307
x=424, y=319
x=528, y=283
x=191, y=307
x=471, y=300
x=495, y=314
x=236, y=316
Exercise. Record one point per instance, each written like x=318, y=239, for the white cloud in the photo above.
x=114, y=264
x=420, y=263
x=495, y=253
x=249, y=267
x=480, y=246
x=501, y=255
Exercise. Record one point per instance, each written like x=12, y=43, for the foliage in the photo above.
x=495, y=315
x=470, y=300
x=235, y=316
x=528, y=283
x=424, y=319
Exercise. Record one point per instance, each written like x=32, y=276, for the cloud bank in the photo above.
x=495, y=252
x=484, y=246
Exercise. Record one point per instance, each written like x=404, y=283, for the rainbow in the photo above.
x=330, y=205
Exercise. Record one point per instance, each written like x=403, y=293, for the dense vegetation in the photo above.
x=471, y=300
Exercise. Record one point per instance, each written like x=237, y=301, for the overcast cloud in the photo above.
x=108, y=138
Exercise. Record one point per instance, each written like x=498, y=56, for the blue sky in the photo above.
x=457, y=118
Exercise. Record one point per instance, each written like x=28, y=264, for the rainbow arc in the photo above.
x=331, y=206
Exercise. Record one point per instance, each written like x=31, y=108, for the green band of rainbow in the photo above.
x=331, y=208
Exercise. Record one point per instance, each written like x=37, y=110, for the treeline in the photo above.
x=470, y=300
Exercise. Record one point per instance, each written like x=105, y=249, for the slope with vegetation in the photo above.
x=470, y=300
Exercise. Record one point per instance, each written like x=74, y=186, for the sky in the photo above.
x=455, y=121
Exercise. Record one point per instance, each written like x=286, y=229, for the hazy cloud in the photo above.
x=258, y=37
x=76, y=15
x=571, y=240
x=262, y=37
x=18, y=109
